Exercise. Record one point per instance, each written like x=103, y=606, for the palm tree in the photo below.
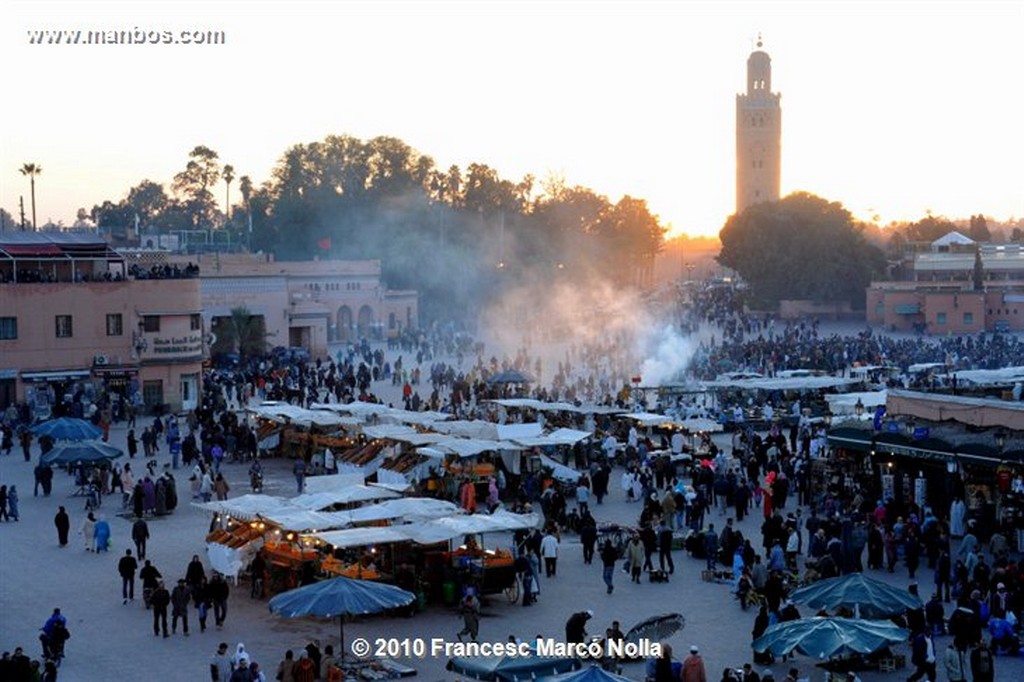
x=229, y=175
x=32, y=170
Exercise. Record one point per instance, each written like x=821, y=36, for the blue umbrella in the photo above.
x=827, y=637
x=340, y=597
x=89, y=451
x=511, y=668
x=868, y=597
x=67, y=428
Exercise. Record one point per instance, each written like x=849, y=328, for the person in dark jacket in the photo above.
x=609, y=557
x=217, y=591
x=63, y=523
x=180, y=598
x=576, y=626
x=160, y=600
x=126, y=567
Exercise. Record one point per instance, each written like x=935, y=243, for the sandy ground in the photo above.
x=111, y=640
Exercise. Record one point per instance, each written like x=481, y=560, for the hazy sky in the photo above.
x=892, y=108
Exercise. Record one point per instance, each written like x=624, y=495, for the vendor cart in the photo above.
x=486, y=572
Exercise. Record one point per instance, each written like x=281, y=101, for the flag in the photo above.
x=324, y=244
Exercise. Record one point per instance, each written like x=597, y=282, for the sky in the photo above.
x=894, y=109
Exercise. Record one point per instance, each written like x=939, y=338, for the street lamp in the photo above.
x=858, y=409
x=1000, y=440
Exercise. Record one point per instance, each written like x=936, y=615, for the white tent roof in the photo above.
x=846, y=403
x=246, y=507
x=450, y=527
x=990, y=377
x=430, y=532
x=319, y=484
x=560, y=471
x=697, y=424
x=293, y=414
x=401, y=432
x=345, y=495
x=468, y=447
x=647, y=418
x=953, y=238
x=406, y=507
x=791, y=384
x=556, y=437
x=357, y=537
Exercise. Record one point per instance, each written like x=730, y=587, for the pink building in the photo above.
x=77, y=320
x=309, y=304
x=939, y=295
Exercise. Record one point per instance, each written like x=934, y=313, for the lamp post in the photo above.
x=1000, y=439
x=858, y=409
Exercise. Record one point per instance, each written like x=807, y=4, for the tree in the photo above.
x=193, y=186
x=7, y=221
x=802, y=247
x=229, y=174
x=978, y=276
x=979, y=231
x=148, y=201
x=242, y=332
x=32, y=170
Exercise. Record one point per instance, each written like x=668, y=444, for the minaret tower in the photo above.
x=758, y=134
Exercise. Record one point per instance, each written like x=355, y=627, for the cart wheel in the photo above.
x=512, y=592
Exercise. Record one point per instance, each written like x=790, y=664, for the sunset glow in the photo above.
x=893, y=109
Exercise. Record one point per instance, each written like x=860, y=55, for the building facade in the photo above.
x=758, y=135
x=939, y=294
x=308, y=304
x=76, y=321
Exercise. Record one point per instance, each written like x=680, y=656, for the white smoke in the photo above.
x=667, y=355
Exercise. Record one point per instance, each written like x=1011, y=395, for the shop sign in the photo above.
x=191, y=344
x=8, y=374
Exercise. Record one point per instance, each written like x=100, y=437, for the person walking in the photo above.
x=286, y=668
x=956, y=663
x=549, y=551
x=922, y=656
x=470, y=616
x=150, y=577
x=635, y=558
x=693, y=667
x=126, y=567
x=983, y=667
x=160, y=600
x=12, y=502
x=220, y=664
x=665, y=537
x=63, y=523
x=140, y=533
x=180, y=598
x=217, y=590
x=299, y=469
x=711, y=546
x=89, y=532
x=304, y=669
x=101, y=535
x=609, y=557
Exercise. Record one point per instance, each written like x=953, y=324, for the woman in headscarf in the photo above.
x=89, y=532
x=101, y=534
x=240, y=655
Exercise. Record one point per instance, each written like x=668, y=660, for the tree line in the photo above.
x=457, y=235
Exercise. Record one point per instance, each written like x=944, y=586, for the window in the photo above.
x=8, y=328
x=195, y=322
x=880, y=310
x=115, y=325
x=391, y=321
x=150, y=323
x=940, y=318
x=153, y=393
x=64, y=329
x=968, y=318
